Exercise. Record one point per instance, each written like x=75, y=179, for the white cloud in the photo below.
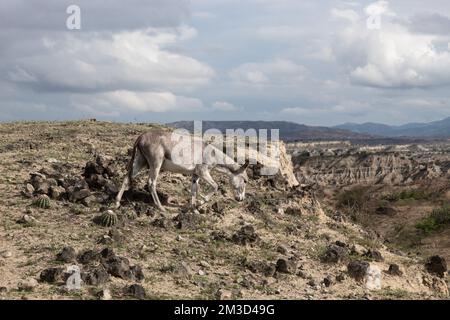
x=119, y=102
x=391, y=57
x=135, y=60
x=224, y=106
x=275, y=72
x=346, y=14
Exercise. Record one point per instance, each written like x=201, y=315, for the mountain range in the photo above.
x=291, y=131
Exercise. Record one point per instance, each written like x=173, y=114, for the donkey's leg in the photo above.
x=154, y=169
x=194, y=190
x=138, y=164
x=209, y=180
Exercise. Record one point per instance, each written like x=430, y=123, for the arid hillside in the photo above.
x=57, y=185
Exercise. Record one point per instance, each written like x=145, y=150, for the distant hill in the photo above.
x=289, y=131
x=435, y=129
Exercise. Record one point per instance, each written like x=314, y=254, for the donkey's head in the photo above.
x=238, y=180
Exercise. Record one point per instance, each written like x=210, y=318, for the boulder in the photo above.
x=245, y=235
x=334, y=254
x=357, y=269
x=286, y=266
x=67, y=254
x=436, y=265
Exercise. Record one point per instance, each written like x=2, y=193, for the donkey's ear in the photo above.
x=243, y=168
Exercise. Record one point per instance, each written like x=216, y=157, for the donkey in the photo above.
x=156, y=149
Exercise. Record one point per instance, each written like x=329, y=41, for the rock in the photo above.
x=107, y=254
x=92, y=168
x=245, y=235
x=375, y=255
x=437, y=284
x=328, y=281
x=88, y=256
x=357, y=269
x=183, y=270
x=3, y=290
x=373, y=278
x=96, y=276
x=340, y=277
x=286, y=266
x=293, y=211
x=282, y=249
x=205, y=264
x=262, y=267
x=29, y=189
x=116, y=235
x=394, y=270
x=334, y=254
x=104, y=161
x=201, y=272
x=222, y=294
x=189, y=220
x=118, y=267
x=68, y=254
x=111, y=189
x=218, y=208
x=436, y=265
x=27, y=219
x=89, y=201
x=137, y=273
x=104, y=294
x=79, y=195
x=105, y=239
x=160, y=223
x=6, y=254
x=388, y=211
x=28, y=284
x=357, y=249
x=51, y=275
x=56, y=192
x=136, y=291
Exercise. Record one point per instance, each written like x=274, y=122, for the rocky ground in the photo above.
x=282, y=242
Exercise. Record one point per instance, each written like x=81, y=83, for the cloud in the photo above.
x=223, y=106
x=275, y=72
x=119, y=102
x=391, y=57
x=136, y=60
x=346, y=14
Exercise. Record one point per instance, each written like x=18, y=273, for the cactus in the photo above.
x=130, y=214
x=42, y=202
x=108, y=218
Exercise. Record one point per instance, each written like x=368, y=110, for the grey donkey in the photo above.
x=156, y=150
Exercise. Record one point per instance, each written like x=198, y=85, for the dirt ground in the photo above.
x=204, y=259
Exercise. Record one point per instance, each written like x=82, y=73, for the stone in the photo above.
x=223, y=294
x=105, y=239
x=6, y=254
x=89, y=201
x=51, y=275
x=136, y=291
x=394, y=270
x=56, y=192
x=262, y=267
x=286, y=266
x=334, y=254
x=387, y=211
x=68, y=254
x=96, y=276
x=357, y=249
x=111, y=189
x=137, y=273
x=28, y=284
x=189, y=220
x=340, y=277
x=293, y=211
x=328, y=281
x=118, y=267
x=29, y=189
x=27, y=220
x=357, y=269
x=374, y=255
x=282, y=249
x=116, y=235
x=373, y=278
x=436, y=265
x=88, y=256
x=104, y=294
x=245, y=235
x=79, y=195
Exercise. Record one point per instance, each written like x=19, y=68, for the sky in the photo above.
x=314, y=62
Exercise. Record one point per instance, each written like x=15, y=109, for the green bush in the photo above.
x=354, y=198
x=437, y=220
x=411, y=194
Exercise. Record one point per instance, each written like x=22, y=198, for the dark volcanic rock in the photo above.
x=189, y=220
x=375, y=255
x=436, y=265
x=96, y=276
x=245, y=235
x=335, y=254
x=286, y=266
x=88, y=256
x=51, y=275
x=394, y=270
x=262, y=267
x=328, y=281
x=136, y=291
x=357, y=269
x=68, y=254
x=118, y=267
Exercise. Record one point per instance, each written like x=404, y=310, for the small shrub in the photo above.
x=437, y=220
